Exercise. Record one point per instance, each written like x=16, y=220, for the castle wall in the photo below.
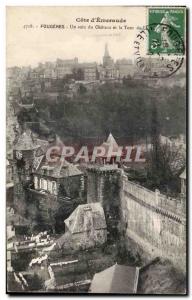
x=150, y=220
x=156, y=223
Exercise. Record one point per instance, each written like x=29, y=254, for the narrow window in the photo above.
x=54, y=188
x=36, y=182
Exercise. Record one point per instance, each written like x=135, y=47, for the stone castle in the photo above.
x=151, y=223
x=154, y=222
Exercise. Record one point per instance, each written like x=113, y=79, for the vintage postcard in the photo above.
x=96, y=150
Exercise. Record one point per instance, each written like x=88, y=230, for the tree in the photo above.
x=164, y=173
x=165, y=162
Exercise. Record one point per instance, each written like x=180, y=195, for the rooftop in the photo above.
x=26, y=142
x=118, y=279
x=84, y=216
x=110, y=143
x=59, y=169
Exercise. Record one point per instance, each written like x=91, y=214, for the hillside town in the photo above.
x=65, y=77
x=95, y=224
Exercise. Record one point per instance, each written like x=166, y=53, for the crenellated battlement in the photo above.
x=157, y=223
x=171, y=207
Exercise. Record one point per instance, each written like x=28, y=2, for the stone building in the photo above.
x=65, y=67
x=24, y=152
x=156, y=223
x=90, y=71
x=125, y=68
x=107, y=60
x=49, y=70
x=102, y=186
x=108, y=70
x=85, y=228
x=103, y=180
x=55, y=188
x=43, y=191
x=52, y=177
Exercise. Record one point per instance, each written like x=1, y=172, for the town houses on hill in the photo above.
x=72, y=68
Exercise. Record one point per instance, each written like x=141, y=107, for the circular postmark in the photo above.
x=158, y=51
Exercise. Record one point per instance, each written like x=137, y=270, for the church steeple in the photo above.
x=107, y=60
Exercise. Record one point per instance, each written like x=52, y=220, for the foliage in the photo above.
x=165, y=168
x=125, y=110
x=35, y=283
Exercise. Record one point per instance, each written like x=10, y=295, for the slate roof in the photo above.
x=118, y=279
x=59, y=169
x=85, y=217
x=110, y=143
x=111, y=140
x=37, y=161
x=43, y=144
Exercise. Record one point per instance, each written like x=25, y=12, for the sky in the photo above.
x=29, y=46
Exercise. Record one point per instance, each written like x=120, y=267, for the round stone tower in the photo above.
x=24, y=152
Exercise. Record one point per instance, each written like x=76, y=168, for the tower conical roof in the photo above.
x=26, y=142
x=110, y=143
x=111, y=140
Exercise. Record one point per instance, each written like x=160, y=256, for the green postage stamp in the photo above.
x=170, y=24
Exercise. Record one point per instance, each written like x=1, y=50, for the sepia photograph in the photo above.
x=96, y=150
